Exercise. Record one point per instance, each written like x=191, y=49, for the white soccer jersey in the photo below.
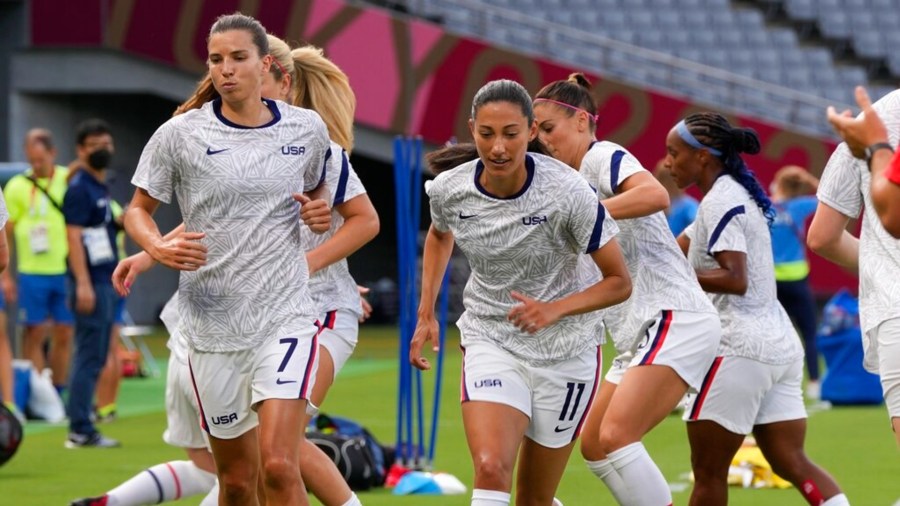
x=530, y=243
x=177, y=345
x=845, y=187
x=333, y=287
x=754, y=325
x=4, y=212
x=661, y=276
x=234, y=184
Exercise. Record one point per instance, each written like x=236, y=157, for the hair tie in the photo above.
x=595, y=117
x=279, y=65
x=689, y=138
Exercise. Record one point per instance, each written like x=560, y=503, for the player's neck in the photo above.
x=707, y=179
x=504, y=185
x=250, y=112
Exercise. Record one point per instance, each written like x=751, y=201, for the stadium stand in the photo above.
x=802, y=53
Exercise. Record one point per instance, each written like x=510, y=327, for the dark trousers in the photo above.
x=92, y=333
x=797, y=299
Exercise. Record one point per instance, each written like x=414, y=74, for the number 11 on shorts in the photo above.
x=570, y=390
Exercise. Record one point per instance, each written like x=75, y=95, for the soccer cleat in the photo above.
x=95, y=440
x=91, y=501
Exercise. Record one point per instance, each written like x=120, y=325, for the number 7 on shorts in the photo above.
x=292, y=345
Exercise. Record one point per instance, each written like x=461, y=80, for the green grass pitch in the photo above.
x=854, y=443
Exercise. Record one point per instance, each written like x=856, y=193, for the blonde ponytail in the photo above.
x=323, y=87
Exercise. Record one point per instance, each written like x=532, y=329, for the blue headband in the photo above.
x=689, y=138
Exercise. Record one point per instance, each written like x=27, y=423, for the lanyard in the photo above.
x=44, y=199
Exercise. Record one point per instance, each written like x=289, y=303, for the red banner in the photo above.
x=409, y=76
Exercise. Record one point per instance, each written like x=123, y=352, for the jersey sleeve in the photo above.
x=318, y=169
x=617, y=168
x=840, y=187
x=348, y=184
x=15, y=205
x=436, y=203
x=589, y=226
x=4, y=213
x=158, y=166
x=728, y=232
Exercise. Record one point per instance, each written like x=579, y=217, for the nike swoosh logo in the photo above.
x=557, y=429
x=466, y=216
x=210, y=151
x=280, y=381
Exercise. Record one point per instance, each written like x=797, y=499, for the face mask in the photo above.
x=100, y=159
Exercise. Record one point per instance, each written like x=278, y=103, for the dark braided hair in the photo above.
x=714, y=131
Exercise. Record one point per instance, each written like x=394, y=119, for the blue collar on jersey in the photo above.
x=529, y=167
x=273, y=107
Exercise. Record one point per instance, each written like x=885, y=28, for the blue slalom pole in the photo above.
x=398, y=198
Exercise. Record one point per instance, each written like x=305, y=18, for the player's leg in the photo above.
x=719, y=417
x=493, y=448
x=320, y=475
x=222, y=385
x=494, y=386
x=539, y=472
x=712, y=448
x=780, y=431
x=562, y=396
x=888, y=337
x=283, y=378
x=645, y=397
x=6, y=367
x=62, y=333
x=782, y=445
x=594, y=456
x=237, y=468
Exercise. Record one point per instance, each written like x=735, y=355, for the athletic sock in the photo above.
x=811, y=493
x=162, y=482
x=604, y=470
x=353, y=501
x=212, y=498
x=481, y=497
x=106, y=410
x=838, y=500
x=645, y=483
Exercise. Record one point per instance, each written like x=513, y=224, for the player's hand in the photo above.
x=426, y=330
x=314, y=213
x=9, y=289
x=85, y=298
x=127, y=271
x=184, y=252
x=859, y=132
x=532, y=315
x=364, y=304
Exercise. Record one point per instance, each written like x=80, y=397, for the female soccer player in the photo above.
x=755, y=383
x=530, y=329
x=849, y=186
x=246, y=310
x=666, y=333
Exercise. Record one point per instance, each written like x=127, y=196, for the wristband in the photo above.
x=892, y=173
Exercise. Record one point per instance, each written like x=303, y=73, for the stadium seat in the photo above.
x=801, y=10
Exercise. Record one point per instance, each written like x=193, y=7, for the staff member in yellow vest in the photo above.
x=37, y=235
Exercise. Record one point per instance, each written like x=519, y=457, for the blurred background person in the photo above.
x=93, y=256
x=682, y=207
x=37, y=234
x=794, y=199
x=111, y=375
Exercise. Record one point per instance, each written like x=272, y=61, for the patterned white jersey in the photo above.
x=845, y=187
x=4, y=212
x=661, y=276
x=234, y=184
x=754, y=325
x=530, y=243
x=171, y=320
x=333, y=287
